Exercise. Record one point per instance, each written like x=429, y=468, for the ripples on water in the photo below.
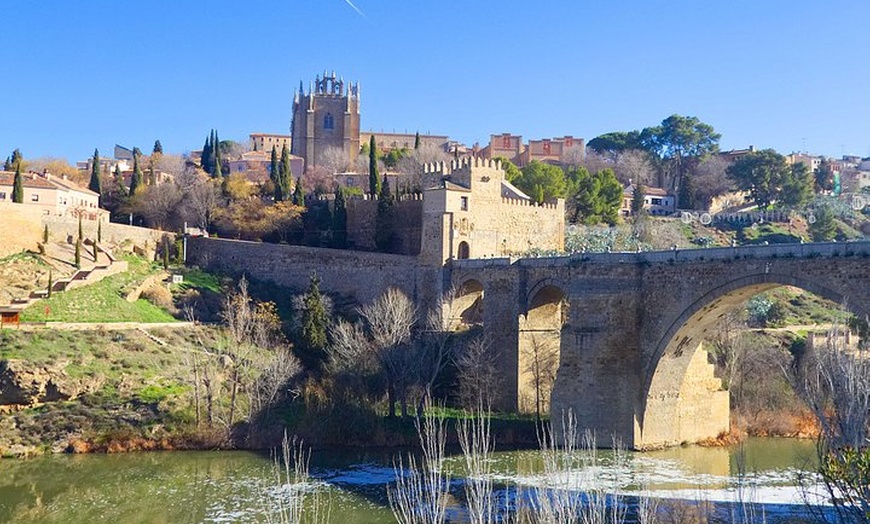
x=223, y=487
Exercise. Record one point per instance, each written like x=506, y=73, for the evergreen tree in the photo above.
x=96, y=184
x=99, y=231
x=824, y=228
x=385, y=221
x=81, y=230
x=374, y=177
x=637, y=199
x=311, y=347
x=274, y=174
x=417, y=140
x=158, y=148
x=119, y=181
x=94, y=245
x=339, y=220
x=18, y=185
x=78, y=256
x=13, y=161
x=45, y=234
x=285, y=177
x=216, y=157
x=205, y=159
x=687, y=192
x=136, y=180
x=50, y=284
x=299, y=194
x=152, y=175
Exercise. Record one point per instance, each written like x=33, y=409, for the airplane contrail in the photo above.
x=355, y=8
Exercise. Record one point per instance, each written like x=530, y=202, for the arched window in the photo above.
x=463, y=251
x=328, y=123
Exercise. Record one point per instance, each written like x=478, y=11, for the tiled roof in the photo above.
x=8, y=179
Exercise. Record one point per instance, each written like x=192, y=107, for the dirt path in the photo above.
x=97, y=326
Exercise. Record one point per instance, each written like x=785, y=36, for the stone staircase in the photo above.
x=105, y=264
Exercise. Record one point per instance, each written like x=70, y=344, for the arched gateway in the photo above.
x=630, y=363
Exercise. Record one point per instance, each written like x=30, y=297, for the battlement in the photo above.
x=462, y=164
x=529, y=203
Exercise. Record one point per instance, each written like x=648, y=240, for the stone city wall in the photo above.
x=362, y=219
x=361, y=275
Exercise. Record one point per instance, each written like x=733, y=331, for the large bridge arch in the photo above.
x=682, y=401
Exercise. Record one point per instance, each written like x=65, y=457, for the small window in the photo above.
x=2, y=195
x=328, y=122
x=350, y=181
x=656, y=201
x=35, y=198
x=463, y=203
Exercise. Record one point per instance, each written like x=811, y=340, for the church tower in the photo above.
x=326, y=117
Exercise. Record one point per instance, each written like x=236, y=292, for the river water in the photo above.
x=177, y=487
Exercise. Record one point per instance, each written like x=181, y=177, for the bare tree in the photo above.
x=174, y=165
x=834, y=380
x=411, y=166
x=436, y=345
x=201, y=200
x=390, y=321
x=250, y=326
x=477, y=372
x=158, y=204
x=710, y=179
x=333, y=160
x=635, y=165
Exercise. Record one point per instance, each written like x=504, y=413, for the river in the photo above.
x=237, y=486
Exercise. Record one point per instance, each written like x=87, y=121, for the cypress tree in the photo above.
x=299, y=194
x=119, y=181
x=339, y=220
x=385, y=219
x=205, y=159
x=311, y=349
x=96, y=185
x=285, y=177
x=417, y=140
x=18, y=185
x=78, y=254
x=136, y=179
x=216, y=156
x=687, y=193
x=286, y=172
x=374, y=177
x=158, y=148
x=274, y=174
x=45, y=235
x=99, y=231
x=81, y=231
x=637, y=199
x=13, y=161
x=94, y=245
x=50, y=284
x=165, y=255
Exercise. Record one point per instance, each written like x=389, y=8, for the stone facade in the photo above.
x=326, y=117
x=471, y=211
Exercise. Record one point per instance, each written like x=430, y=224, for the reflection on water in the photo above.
x=173, y=487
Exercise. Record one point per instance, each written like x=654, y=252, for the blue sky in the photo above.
x=791, y=75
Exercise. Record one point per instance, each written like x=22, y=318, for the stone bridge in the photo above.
x=624, y=330
x=621, y=332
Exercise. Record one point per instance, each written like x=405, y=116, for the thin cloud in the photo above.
x=355, y=8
